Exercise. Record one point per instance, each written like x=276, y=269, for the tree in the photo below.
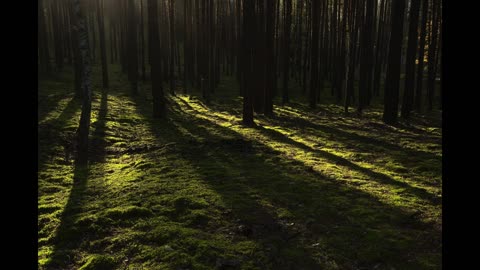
x=421, y=54
x=407, y=103
x=286, y=49
x=43, y=55
x=366, y=55
x=390, y=110
x=142, y=40
x=155, y=58
x=315, y=10
x=432, y=53
x=57, y=35
x=270, y=57
x=84, y=126
x=354, y=26
x=103, y=49
x=171, y=9
x=132, y=48
x=248, y=62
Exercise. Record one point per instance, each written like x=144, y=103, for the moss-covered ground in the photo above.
x=304, y=189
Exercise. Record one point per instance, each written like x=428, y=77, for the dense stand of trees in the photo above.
x=358, y=49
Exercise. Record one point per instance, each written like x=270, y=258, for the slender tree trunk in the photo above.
x=112, y=41
x=142, y=41
x=186, y=44
x=286, y=51
x=84, y=126
x=390, y=111
x=407, y=103
x=349, y=90
x=132, y=48
x=270, y=75
x=365, y=57
x=103, y=46
x=421, y=55
x=172, y=45
x=43, y=55
x=77, y=59
x=315, y=11
x=155, y=58
x=57, y=35
x=432, y=48
x=378, y=50
x=249, y=47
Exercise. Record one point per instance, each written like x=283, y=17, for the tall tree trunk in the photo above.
x=142, y=41
x=432, y=48
x=286, y=50
x=43, y=55
x=57, y=36
x=248, y=62
x=315, y=11
x=186, y=44
x=260, y=61
x=77, y=59
x=341, y=57
x=407, y=103
x=349, y=90
x=378, y=50
x=132, y=48
x=390, y=111
x=103, y=46
x=172, y=45
x=421, y=55
x=365, y=57
x=270, y=75
x=112, y=41
x=84, y=126
x=155, y=58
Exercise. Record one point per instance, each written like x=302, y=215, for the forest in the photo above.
x=239, y=134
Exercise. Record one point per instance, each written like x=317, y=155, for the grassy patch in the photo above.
x=303, y=189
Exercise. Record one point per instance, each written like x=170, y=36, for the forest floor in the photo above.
x=304, y=189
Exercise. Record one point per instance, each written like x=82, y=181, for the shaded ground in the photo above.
x=302, y=190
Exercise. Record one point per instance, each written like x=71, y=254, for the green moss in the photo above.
x=99, y=262
x=310, y=189
x=128, y=212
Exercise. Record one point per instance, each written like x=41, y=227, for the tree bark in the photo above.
x=103, y=46
x=286, y=50
x=421, y=55
x=155, y=58
x=407, y=102
x=84, y=126
x=390, y=111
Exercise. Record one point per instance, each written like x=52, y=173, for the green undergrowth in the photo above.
x=303, y=189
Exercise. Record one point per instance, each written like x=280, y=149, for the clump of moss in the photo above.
x=99, y=262
x=128, y=212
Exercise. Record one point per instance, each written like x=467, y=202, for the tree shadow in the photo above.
x=98, y=143
x=72, y=232
x=347, y=137
x=68, y=236
x=362, y=142
x=365, y=144
x=47, y=104
x=53, y=138
x=350, y=227
x=375, y=176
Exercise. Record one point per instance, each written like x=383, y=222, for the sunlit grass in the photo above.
x=325, y=165
x=309, y=189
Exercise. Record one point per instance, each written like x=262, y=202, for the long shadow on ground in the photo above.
x=72, y=232
x=301, y=219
